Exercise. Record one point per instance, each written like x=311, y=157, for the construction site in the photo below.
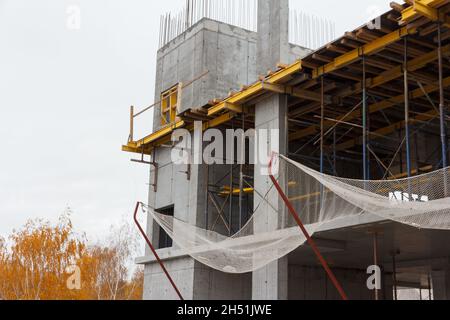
x=362, y=137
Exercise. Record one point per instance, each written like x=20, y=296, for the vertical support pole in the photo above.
x=230, y=213
x=442, y=100
x=364, y=120
x=334, y=152
x=368, y=154
x=400, y=138
x=375, y=258
x=406, y=88
x=394, y=274
x=322, y=116
x=160, y=31
x=241, y=172
x=155, y=173
x=416, y=149
x=442, y=114
x=131, y=124
x=429, y=288
x=207, y=197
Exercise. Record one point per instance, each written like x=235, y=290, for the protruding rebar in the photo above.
x=304, y=30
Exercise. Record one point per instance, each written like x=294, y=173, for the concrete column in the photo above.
x=273, y=34
x=270, y=283
x=441, y=284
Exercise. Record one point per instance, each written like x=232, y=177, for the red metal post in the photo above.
x=154, y=252
x=310, y=241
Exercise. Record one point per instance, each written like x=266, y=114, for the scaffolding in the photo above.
x=366, y=102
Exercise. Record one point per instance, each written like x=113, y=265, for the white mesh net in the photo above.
x=271, y=232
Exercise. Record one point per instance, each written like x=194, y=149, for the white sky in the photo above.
x=65, y=97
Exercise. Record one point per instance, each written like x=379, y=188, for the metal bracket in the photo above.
x=151, y=163
x=188, y=171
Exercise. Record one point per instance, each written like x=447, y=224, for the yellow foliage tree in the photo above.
x=41, y=259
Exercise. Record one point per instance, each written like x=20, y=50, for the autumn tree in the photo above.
x=106, y=267
x=39, y=262
x=4, y=269
x=38, y=259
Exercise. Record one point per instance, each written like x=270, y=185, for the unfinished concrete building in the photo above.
x=351, y=94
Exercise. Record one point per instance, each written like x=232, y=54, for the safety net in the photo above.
x=271, y=232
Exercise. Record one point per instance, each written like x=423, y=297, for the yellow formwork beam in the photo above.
x=367, y=49
x=412, y=66
x=376, y=107
x=419, y=9
x=164, y=135
x=257, y=88
x=383, y=78
x=219, y=120
x=277, y=88
x=396, y=72
x=305, y=197
x=284, y=74
x=231, y=106
x=296, y=92
x=422, y=8
x=160, y=133
x=235, y=99
x=413, y=173
x=130, y=148
x=387, y=130
x=236, y=192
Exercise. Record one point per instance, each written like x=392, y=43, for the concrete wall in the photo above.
x=157, y=286
x=227, y=52
x=210, y=284
x=195, y=282
x=312, y=283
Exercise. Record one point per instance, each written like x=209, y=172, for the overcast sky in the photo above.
x=65, y=97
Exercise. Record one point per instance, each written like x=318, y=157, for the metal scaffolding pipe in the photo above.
x=322, y=115
x=429, y=288
x=206, y=197
x=442, y=100
x=334, y=153
x=241, y=173
x=394, y=275
x=406, y=89
x=230, y=213
x=364, y=120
